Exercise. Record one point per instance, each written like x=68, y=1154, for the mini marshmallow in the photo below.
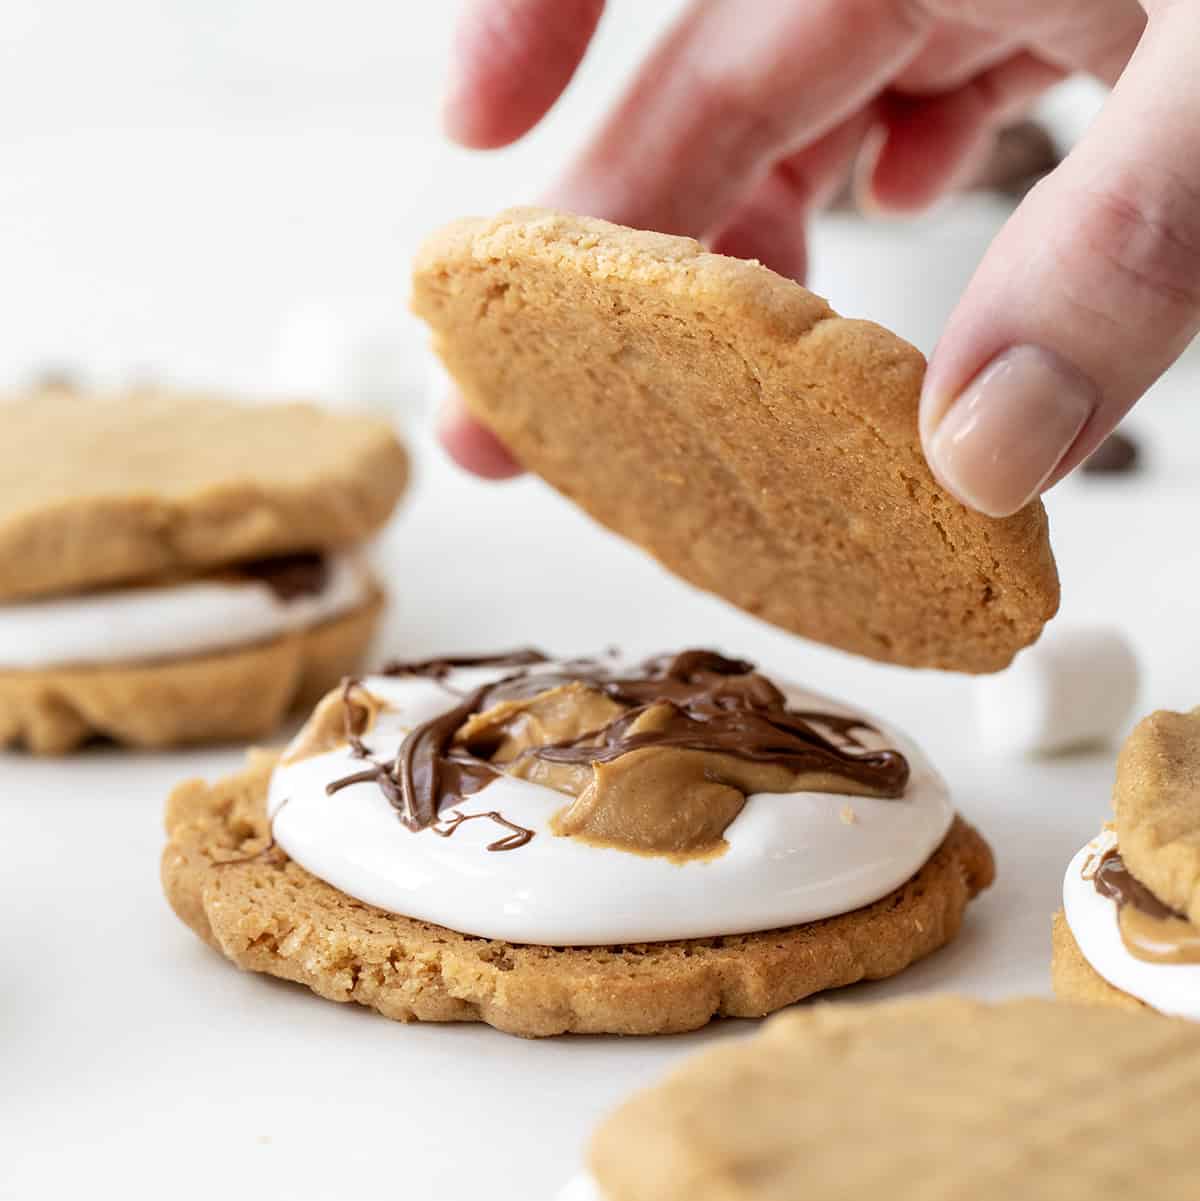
x=1074, y=688
x=581, y=1188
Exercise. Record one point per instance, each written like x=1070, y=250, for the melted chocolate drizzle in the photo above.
x=518, y=837
x=1115, y=881
x=715, y=704
x=438, y=669
x=461, y=774
x=289, y=576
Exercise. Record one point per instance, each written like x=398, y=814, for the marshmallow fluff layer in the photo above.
x=170, y=621
x=791, y=858
x=1171, y=988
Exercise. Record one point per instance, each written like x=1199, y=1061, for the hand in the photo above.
x=747, y=116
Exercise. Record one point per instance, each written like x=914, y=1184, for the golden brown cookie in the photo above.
x=95, y=490
x=915, y=1100
x=1157, y=806
x=267, y=914
x=233, y=695
x=1076, y=980
x=731, y=424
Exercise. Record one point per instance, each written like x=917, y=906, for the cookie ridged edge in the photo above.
x=267, y=914
x=1075, y=979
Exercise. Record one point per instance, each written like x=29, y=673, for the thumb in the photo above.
x=1088, y=294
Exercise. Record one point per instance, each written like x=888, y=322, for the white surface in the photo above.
x=1172, y=988
x=124, y=624
x=155, y=1061
x=791, y=856
x=227, y=194
x=178, y=178
x=1075, y=687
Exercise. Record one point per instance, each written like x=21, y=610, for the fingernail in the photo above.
x=1001, y=440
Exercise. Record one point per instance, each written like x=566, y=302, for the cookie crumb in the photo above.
x=848, y=816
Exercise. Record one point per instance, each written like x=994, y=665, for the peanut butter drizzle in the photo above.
x=659, y=762
x=1150, y=930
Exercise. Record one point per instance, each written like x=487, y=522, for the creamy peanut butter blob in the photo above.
x=659, y=761
x=1150, y=930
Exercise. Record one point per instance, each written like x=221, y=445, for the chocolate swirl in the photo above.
x=713, y=704
x=1150, y=929
x=1116, y=882
x=289, y=576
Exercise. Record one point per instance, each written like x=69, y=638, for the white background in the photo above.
x=180, y=182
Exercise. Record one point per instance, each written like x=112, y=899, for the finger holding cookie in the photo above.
x=1086, y=297
x=733, y=132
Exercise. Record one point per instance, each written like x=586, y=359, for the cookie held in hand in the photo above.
x=730, y=423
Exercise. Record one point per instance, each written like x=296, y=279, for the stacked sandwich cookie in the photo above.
x=1129, y=930
x=181, y=569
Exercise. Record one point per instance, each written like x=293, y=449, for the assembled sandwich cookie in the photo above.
x=912, y=1100
x=553, y=846
x=1129, y=930
x=178, y=569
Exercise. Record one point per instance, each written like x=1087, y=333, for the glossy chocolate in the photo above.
x=714, y=704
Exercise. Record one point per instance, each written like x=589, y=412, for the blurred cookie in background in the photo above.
x=179, y=568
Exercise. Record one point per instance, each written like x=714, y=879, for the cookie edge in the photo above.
x=476, y=979
x=54, y=711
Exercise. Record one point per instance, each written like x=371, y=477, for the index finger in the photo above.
x=510, y=63
x=729, y=90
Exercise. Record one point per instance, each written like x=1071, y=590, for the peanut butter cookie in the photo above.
x=913, y=1100
x=180, y=569
x=101, y=489
x=232, y=695
x=1156, y=803
x=246, y=898
x=731, y=424
x=1076, y=980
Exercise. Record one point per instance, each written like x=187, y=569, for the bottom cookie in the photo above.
x=1075, y=979
x=234, y=695
x=267, y=914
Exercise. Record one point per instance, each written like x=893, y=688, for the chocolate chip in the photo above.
x=1118, y=453
x=1021, y=154
x=289, y=576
